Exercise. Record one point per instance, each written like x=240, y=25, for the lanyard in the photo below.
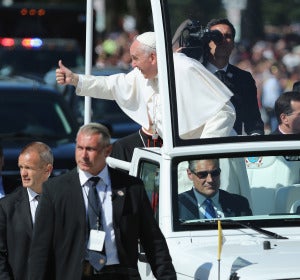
x=98, y=215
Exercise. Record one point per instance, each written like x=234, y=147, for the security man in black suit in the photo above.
x=240, y=82
x=17, y=211
x=205, y=200
x=64, y=229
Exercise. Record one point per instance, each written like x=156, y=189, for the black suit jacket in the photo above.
x=233, y=205
x=60, y=228
x=15, y=235
x=244, y=100
x=124, y=147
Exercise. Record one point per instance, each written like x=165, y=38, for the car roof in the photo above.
x=33, y=90
x=21, y=82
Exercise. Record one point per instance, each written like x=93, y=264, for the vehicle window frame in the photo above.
x=176, y=140
x=273, y=220
x=153, y=184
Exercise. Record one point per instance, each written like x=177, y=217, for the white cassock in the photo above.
x=203, y=101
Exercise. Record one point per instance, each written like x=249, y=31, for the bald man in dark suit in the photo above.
x=17, y=211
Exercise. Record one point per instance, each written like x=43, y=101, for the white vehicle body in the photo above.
x=246, y=253
x=264, y=170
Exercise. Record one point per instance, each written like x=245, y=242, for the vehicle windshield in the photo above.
x=259, y=189
x=262, y=46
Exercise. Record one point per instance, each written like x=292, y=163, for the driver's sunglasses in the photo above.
x=204, y=174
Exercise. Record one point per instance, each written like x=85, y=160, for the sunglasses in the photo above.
x=204, y=174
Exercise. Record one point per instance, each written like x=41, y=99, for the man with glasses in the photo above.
x=287, y=111
x=205, y=200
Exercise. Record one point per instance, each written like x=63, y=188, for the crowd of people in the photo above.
x=86, y=224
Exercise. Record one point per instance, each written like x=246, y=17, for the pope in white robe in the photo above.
x=203, y=101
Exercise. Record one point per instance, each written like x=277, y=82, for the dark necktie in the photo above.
x=96, y=259
x=38, y=197
x=221, y=74
x=210, y=212
x=94, y=210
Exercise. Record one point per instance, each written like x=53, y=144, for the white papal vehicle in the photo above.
x=264, y=169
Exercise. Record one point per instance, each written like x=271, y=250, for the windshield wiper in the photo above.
x=257, y=229
x=245, y=225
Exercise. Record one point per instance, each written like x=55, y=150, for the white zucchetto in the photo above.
x=148, y=39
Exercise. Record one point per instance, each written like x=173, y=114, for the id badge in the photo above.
x=96, y=240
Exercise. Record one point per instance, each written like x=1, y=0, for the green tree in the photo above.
x=280, y=12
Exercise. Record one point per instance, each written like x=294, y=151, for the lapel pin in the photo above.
x=120, y=193
x=229, y=75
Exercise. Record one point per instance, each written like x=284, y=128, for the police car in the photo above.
x=34, y=56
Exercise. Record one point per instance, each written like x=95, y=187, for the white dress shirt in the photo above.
x=213, y=69
x=201, y=204
x=104, y=192
x=203, y=101
x=33, y=202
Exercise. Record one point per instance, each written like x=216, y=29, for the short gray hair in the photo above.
x=96, y=128
x=193, y=163
x=42, y=149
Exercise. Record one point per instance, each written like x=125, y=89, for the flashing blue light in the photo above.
x=36, y=42
x=32, y=42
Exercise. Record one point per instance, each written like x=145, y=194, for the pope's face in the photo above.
x=146, y=62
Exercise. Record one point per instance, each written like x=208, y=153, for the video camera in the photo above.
x=194, y=40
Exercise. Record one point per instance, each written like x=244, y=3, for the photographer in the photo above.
x=213, y=47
